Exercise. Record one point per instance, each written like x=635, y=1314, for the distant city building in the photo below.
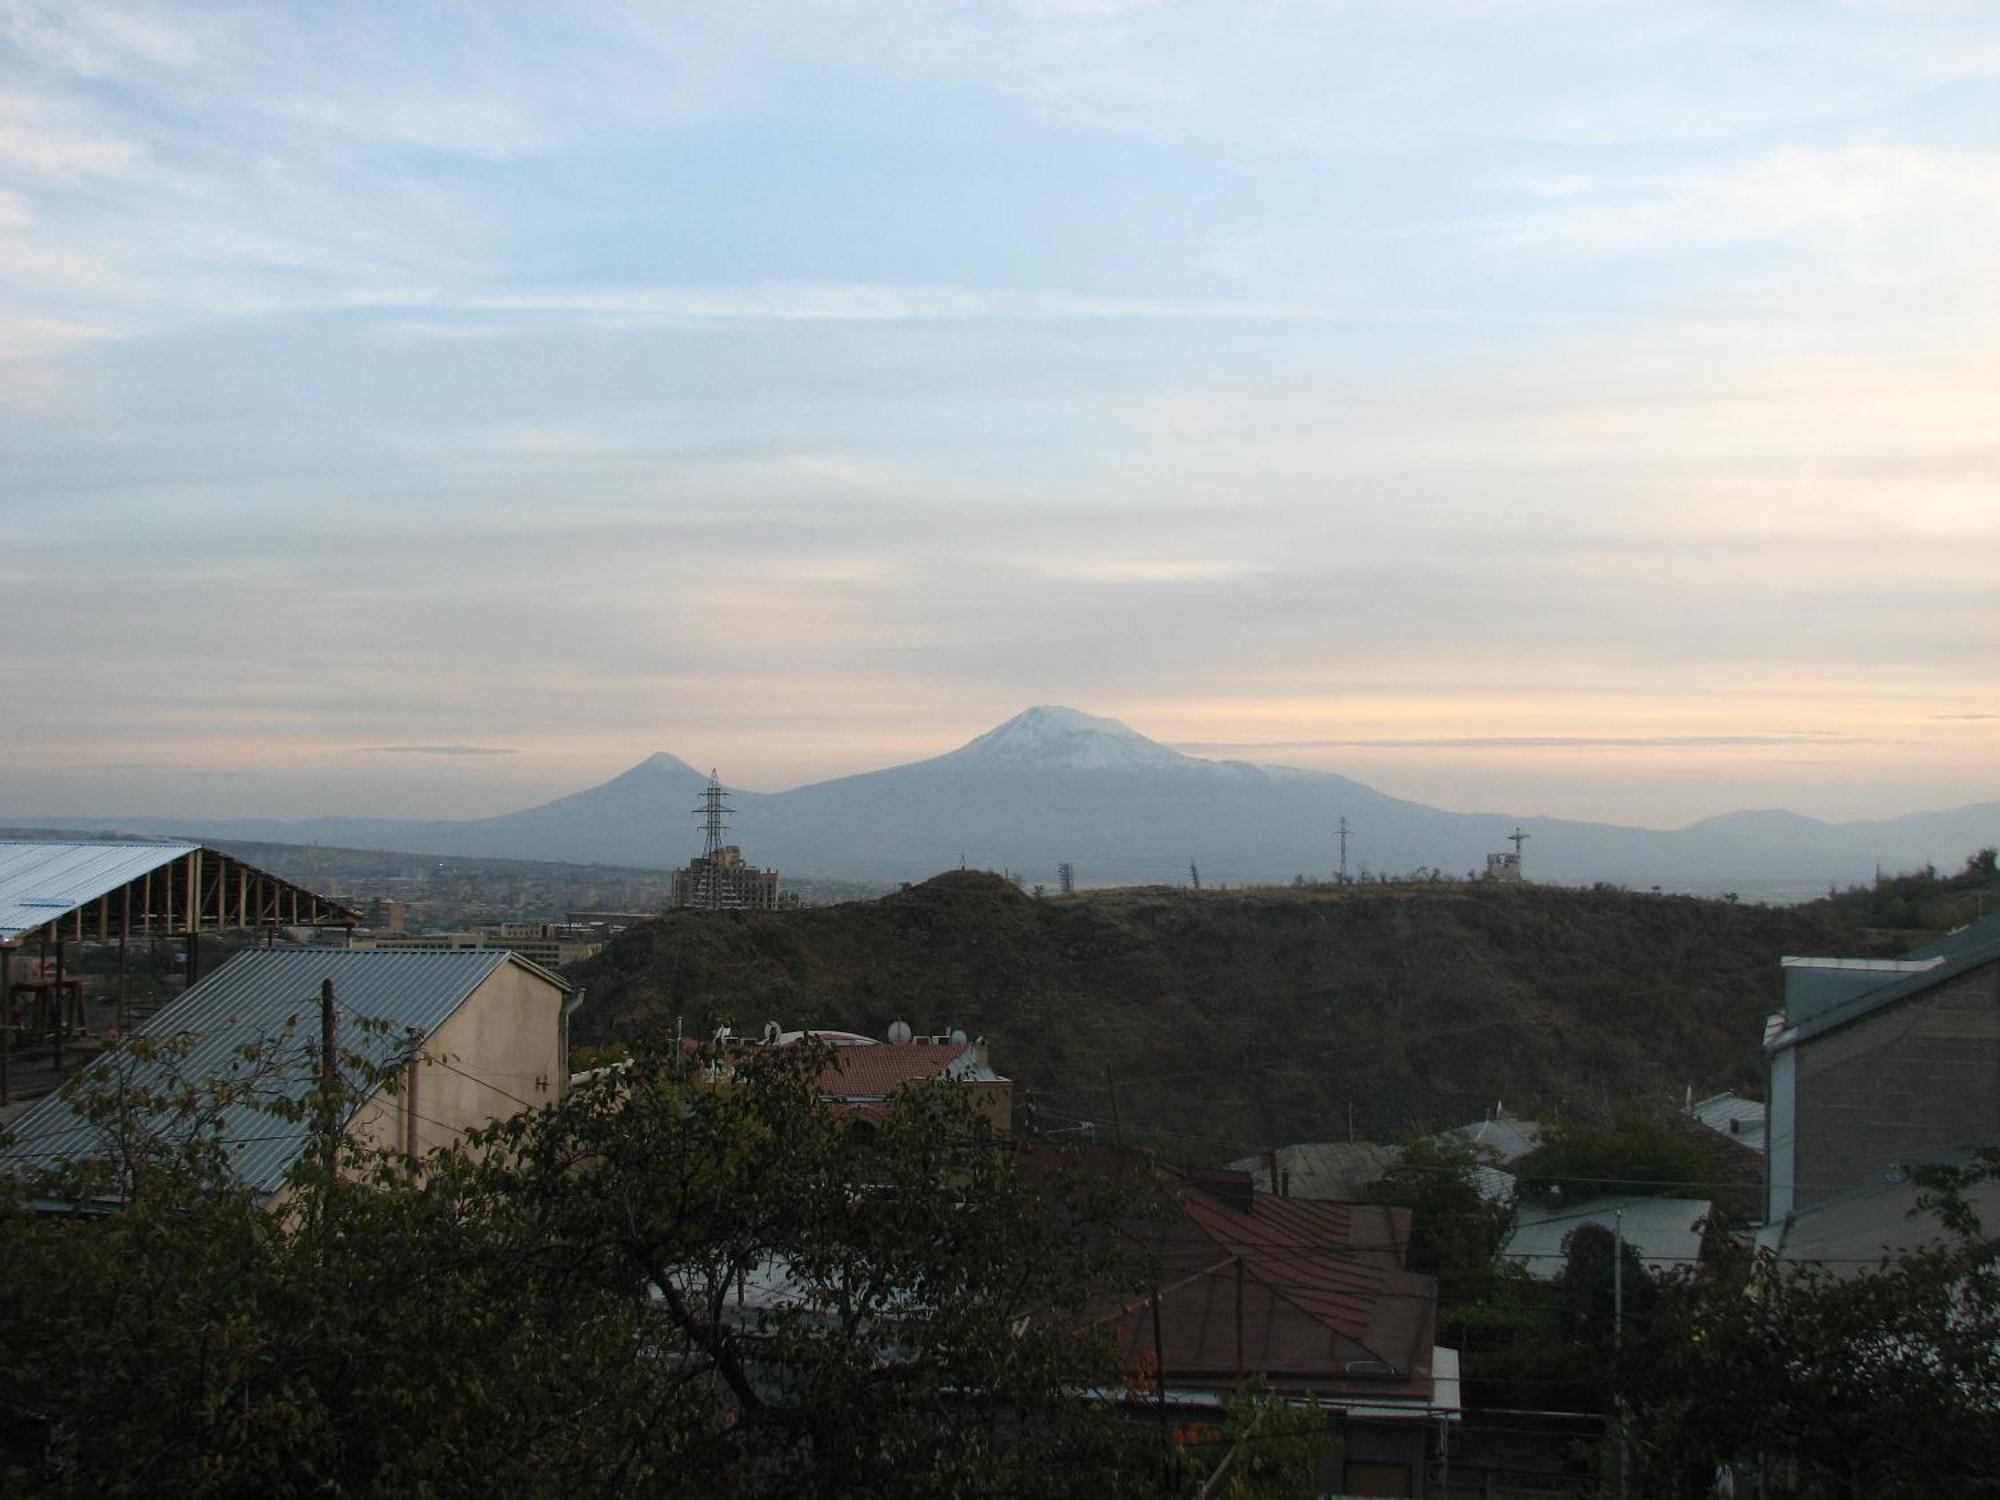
x=718, y=879
x=550, y=944
x=724, y=882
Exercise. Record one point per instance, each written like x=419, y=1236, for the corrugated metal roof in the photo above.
x=1662, y=1230
x=42, y=881
x=1732, y=1115
x=271, y=996
x=1963, y=957
x=1341, y=1170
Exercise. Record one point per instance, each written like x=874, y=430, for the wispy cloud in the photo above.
x=1536, y=742
x=836, y=302
x=435, y=750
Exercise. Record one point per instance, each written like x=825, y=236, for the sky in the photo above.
x=1576, y=407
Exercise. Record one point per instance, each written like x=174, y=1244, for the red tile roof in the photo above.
x=858, y=1072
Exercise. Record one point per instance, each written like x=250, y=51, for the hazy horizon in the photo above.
x=1561, y=407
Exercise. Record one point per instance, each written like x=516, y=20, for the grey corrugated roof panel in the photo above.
x=1730, y=1114
x=40, y=881
x=1963, y=961
x=1973, y=935
x=1512, y=1139
x=1334, y=1171
x=272, y=996
x=1663, y=1231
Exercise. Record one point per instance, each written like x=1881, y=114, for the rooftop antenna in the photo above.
x=713, y=825
x=1342, y=832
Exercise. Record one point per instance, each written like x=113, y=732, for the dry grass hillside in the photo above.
x=1234, y=1020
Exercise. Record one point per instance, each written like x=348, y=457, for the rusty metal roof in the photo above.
x=269, y=998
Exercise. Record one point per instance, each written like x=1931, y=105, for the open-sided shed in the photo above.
x=55, y=893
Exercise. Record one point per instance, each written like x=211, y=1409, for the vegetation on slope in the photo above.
x=1235, y=1020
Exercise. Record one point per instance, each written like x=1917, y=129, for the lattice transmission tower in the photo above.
x=713, y=813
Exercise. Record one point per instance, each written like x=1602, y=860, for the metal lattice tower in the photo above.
x=1343, y=831
x=714, y=824
x=1066, y=878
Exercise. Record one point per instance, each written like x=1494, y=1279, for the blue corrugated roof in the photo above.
x=42, y=881
x=271, y=996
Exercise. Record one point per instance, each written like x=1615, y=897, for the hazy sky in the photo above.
x=1586, y=408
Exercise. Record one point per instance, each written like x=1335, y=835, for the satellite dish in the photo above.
x=899, y=1033
x=959, y=1036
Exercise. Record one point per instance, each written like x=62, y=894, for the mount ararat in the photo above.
x=1053, y=784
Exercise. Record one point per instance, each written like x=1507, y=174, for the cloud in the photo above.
x=435, y=750
x=1975, y=717
x=1826, y=190
x=838, y=302
x=1539, y=742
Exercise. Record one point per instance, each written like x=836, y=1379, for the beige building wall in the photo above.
x=501, y=1051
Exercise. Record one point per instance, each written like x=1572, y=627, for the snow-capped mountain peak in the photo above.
x=1050, y=737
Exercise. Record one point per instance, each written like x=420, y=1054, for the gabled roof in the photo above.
x=1327, y=1305
x=1946, y=959
x=40, y=882
x=45, y=881
x=270, y=997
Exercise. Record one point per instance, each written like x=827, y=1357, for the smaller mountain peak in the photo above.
x=659, y=762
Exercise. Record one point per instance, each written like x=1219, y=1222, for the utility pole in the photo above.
x=1618, y=1278
x=1342, y=832
x=329, y=1075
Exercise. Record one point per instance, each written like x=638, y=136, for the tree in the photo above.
x=687, y=1277
x=1635, y=1155
x=1884, y=1381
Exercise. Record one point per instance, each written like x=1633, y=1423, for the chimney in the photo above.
x=1271, y=1163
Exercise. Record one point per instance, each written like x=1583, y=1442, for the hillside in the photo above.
x=1236, y=1020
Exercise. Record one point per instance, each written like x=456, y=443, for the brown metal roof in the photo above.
x=1327, y=1306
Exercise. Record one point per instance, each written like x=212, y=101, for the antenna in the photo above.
x=1194, y=874
x=713, y=825
x=1342, y=833
x=1066, y=878
x=1517, y=839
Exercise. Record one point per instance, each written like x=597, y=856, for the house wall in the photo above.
x=501, y=1051
x=1916, y=1078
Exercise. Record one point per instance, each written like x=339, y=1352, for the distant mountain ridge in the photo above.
x=1053, y=784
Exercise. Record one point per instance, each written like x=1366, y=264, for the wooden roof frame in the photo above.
x=197, y=891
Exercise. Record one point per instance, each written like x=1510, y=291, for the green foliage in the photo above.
x=570, y=1305
x=1634, y=1155
x=1455, y=1231
x=1881, y=1381
x=1267, y=1448
x=1924, y=900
